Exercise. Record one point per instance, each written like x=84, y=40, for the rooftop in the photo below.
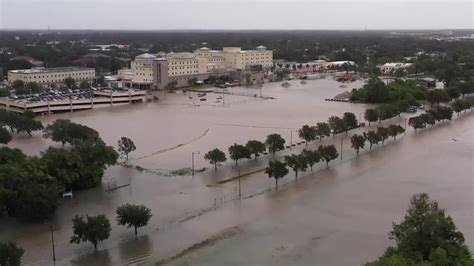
x=49, y=70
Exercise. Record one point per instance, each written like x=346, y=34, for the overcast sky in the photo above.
x=236, y=14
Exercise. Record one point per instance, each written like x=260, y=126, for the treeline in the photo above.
x=31, y=186
x=440, y=113
x=376, y=91
x=275, y=142
x=308, y=158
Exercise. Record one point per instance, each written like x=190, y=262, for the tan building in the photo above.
x=182, y=64
x=143, y=69
x=235, y=57
x=47, y=76
x=155, y=71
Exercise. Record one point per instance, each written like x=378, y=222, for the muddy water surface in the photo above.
x=314, y=219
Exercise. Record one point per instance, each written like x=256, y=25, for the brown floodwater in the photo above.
x=346, y=209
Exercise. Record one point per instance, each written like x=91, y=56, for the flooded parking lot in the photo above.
x=312, y=220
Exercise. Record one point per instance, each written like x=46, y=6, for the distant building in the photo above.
x=391, y=68
x=29, y=59
x=47, y=76
x=156, y=71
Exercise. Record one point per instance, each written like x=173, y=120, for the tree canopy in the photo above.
x=426, y=234
x=275, y=143
x=135, y=216
x=277, y=170
x=93, y=229
x=10, y=254
x=215, y=156
x=126, y=146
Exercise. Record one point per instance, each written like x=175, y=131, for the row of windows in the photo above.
x=62, y=80
x=187, y=67
x=183, y=63
x=184, y=72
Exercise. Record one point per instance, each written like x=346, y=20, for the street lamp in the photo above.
x=192, y=163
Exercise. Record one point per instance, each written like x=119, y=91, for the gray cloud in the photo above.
x=235, y=14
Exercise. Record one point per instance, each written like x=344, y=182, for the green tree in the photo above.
x=215, y=156
x=336, y=124
x=425, y=228
x=384, y=133
x=427, y=118
x=416, y=122
x=135, y=216
x=255, y=147
x=328, y=153
x=275, y=143
x=453, y=92
x=350, y=120
x=93, y=229
x=4, y=92
x=312, y=157
x=28, y=125
x=297, y=163
x=70, y=82
x=171, y=85
x=65, y=131
x=27, y=189
x=126, y=146
x=377, y=91
x=81, y=165
x=323, y=130
x=395, y=130
x=5, y=136
x=371, y=115
x=33, y=87
x=307, y=133
x=458, y=106
x=437, y=96
x=373, y=138
x=358, y=142
x=17, y=84
x=277, y=170
x=238, y=152
x=84, y=85
x=10, y=254
x=192, y=81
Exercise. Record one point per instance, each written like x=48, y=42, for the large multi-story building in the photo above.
x=156, y=71
x=48, y=76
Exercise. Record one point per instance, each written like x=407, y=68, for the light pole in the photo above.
x=240, y=191
x=341, y=148
x=192, y=162
x=291, y=139
x=52, y=242
x=405, y=126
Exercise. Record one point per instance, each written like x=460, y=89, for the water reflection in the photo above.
x=135, y=250
x=97, y=258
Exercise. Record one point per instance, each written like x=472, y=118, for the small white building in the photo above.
x=390, y=68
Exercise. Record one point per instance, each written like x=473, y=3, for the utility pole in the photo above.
x=192, y=165
x=341, y=148
x=52, y=243
x=405, y=126
x=240, y=192
x=291, y=139
x=223, y=97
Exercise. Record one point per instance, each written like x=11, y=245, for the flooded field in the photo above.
x=324, y=214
